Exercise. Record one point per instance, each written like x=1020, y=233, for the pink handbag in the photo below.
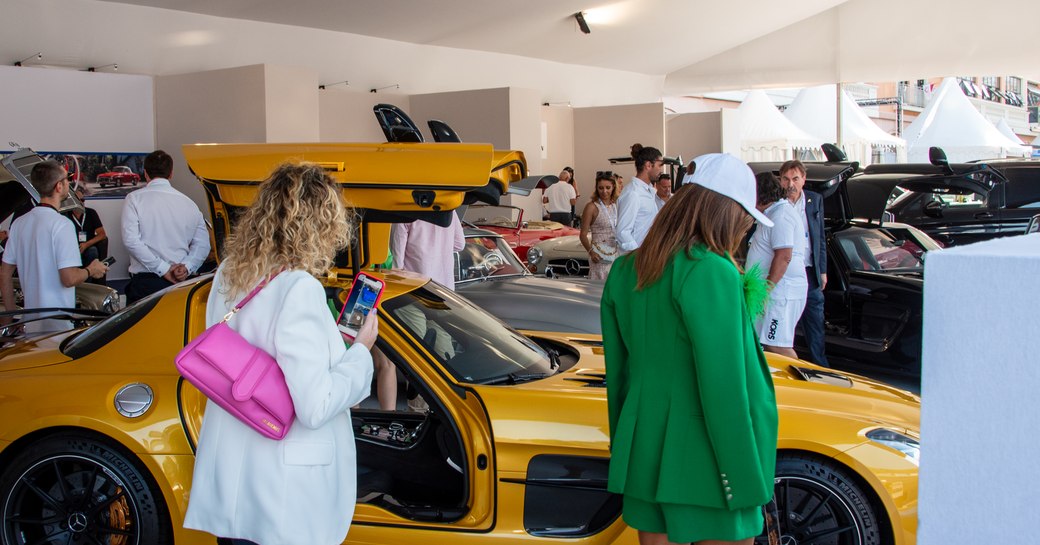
x=243, y=379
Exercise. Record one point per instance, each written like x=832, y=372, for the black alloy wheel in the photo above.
x=73, y=489
x=819, y=503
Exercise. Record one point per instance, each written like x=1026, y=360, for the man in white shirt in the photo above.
x=163, y=230
x=809, y=205
x=779, y=251
x=663, y=186
x=43, y=248
x=636, y=205
x=559, y=200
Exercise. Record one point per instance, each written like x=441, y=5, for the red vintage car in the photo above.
x=118, y=176
x=508, y=221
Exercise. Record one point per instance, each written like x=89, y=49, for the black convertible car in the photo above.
x=875, y=269
x=954, y=203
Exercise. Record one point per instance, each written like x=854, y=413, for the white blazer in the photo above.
x=302, y=489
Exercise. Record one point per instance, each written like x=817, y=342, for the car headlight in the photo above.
x=534, y=255
x=111, y=303
x=894, y=440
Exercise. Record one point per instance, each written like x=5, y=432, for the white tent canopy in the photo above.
x=766, y=135
x=814, y=111
x=955, y=125
x=1005, y=129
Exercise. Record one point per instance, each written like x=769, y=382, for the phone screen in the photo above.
x=363, y=297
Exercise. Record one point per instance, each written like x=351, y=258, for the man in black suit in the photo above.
x=810, y=205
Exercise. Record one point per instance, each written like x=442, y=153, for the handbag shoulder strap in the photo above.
x=249, y=297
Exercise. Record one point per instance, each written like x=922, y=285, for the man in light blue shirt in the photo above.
x=637, y=206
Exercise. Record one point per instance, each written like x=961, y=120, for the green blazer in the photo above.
x=693, y=416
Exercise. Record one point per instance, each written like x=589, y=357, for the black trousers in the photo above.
x=812, y=321
x=142, y=285
x=562, y=217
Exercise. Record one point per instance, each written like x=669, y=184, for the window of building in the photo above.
x=991, y=89
x=1013, y=86
x=967, y=86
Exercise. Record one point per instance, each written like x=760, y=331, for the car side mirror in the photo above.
x=937, y=157
x=523, y=225
x=933, y=208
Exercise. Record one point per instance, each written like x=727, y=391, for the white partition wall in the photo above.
x=980, y=421
x=609, y=131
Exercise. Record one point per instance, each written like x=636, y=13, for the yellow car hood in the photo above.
x=574, y=401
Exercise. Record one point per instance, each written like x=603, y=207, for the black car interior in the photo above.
x=410, y=460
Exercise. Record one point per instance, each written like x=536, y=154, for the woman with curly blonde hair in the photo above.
x=301, y=490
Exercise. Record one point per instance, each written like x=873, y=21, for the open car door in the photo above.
x=871, y=191
x=386, y=183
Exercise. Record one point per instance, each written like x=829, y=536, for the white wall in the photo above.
x=979, y=384
x=346, y=115
x=68, y=110
x=609, y=131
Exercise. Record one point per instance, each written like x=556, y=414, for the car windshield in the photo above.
x=881, y=250
x=496, y=216
x=484, y=257
x=473, y=346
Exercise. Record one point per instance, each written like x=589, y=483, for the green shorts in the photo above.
x=688, y=523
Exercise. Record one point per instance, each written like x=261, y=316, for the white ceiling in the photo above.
x=638, y=51
x=646, y=36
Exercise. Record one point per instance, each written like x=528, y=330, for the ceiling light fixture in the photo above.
x=580, y=17
x=38, y=56
x=377, y=89
x=113, y=66
x=324, y=85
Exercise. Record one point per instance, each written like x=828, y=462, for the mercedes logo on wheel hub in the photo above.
x=77, y=522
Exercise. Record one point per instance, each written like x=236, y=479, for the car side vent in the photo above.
x=590, y=378
x=822, y=377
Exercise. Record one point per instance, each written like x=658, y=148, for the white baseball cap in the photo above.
x=727, y=175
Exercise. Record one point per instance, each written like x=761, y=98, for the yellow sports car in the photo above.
x=498, y=436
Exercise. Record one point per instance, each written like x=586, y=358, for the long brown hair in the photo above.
x=298, y=221
x=693, y=214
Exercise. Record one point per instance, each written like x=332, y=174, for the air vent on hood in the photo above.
x=590, y=378
x=822, y=377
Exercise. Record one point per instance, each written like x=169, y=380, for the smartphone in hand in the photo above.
x=363, y=296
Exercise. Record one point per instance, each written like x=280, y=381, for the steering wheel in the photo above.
x=494, y=259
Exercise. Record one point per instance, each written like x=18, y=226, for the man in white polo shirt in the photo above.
x=43, y=248
x=163, y=230
x=779, y=251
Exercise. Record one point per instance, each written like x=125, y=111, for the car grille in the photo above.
x=567, y=267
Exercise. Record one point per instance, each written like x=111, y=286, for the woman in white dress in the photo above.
x=300, y=490
x=598, y=223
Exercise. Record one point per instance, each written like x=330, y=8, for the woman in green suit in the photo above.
x=693, y=419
